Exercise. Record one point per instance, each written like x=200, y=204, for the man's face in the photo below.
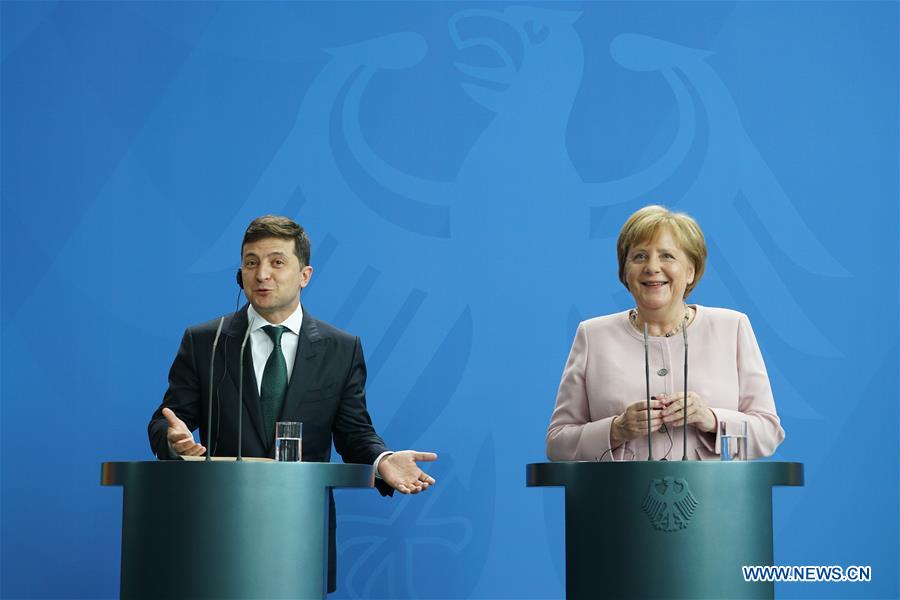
x=273, y=277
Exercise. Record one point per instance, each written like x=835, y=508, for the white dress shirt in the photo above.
x=261, y=345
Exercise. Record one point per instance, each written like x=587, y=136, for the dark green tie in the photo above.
x=274, y=382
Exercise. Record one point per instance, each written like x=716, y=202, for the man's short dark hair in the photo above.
x=270, y=226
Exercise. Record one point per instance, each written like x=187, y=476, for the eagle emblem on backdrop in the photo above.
x=669, y=504
x=439, y=255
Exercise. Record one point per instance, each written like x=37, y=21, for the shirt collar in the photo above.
x=292, y=323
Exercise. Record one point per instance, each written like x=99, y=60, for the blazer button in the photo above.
x=662, y=372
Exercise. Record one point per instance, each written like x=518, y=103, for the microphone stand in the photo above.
x=212, y=366
x=684, y=427
x=241, y=392
x=647, y=379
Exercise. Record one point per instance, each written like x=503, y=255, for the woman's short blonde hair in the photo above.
x=647, y=223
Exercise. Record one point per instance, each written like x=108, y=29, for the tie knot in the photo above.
x=275, y=332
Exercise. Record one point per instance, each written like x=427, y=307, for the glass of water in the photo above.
x=288, y=441
x=733, y=438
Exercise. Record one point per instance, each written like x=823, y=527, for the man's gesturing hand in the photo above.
x=400, y=471
x=180, y=437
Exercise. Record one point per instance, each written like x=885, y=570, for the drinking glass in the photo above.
x=733, y=437
x=288, y=441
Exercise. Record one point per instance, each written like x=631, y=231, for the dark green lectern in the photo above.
x=227, y=529
x=666, y=529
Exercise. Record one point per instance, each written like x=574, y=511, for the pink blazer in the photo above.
x=605, y=373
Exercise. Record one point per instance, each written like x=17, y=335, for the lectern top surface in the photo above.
x=223, y=472
x=568, y=472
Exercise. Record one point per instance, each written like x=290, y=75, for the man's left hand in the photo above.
x=400, y=471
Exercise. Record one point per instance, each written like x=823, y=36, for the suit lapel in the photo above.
x=236, y=331
x=305, y=362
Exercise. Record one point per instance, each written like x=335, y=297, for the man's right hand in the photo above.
x=181, y=440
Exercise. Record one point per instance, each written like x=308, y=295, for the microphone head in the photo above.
x=247, y=334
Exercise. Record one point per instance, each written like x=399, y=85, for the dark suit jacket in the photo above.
x=326, y=393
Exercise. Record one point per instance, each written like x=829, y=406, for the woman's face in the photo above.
x=657, y=272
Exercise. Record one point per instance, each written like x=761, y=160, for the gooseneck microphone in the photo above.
x=684, y=426
x=212, y=366
x=240, y=406
x=647, y=379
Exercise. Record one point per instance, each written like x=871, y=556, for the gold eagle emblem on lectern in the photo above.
x=669, y=504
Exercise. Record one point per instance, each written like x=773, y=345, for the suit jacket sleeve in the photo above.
x=572, y=435
x=756, y=405
x=182, y=396
x=355, y=438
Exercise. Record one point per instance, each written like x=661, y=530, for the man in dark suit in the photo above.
x=296, y=368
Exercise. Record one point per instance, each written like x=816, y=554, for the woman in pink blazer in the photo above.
x=601, y=406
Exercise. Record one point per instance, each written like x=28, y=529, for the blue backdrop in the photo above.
x=463, y=170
